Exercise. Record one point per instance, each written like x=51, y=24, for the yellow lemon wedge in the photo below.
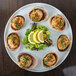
x=40, y=36
x=30, y=38
x=35, y=36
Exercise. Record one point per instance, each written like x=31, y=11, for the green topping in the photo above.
x=60, y=23
x=13, y=21
x=12, y=37
x=16, y=24
x=50, y=56
x=63, y=42
x=62, y=39
x=24, y=60
x=45, y=62
x=47, y=58
x=35, y=17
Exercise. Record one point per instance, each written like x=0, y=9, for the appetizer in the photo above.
x=63, y=42
x=13, y=41
x=37, y=37
x=26, y=61
x=38, y=14
x=57, y=22
x=17, y=22
x=50, y=60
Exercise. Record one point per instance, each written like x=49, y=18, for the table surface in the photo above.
x=8, y=67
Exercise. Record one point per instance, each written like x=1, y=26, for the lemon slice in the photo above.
x=30, y=38
x=40, y=36
x=35, y=36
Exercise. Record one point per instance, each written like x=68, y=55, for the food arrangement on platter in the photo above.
x=38, y=37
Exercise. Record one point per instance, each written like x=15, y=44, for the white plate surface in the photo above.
x=54, y=36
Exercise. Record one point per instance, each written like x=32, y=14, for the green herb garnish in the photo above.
x=46, y=62
x=16, y=23
x=60, y=23
x=50, y=56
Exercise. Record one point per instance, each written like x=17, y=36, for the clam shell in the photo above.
x=50, y=25
x=14, y=17
x=44, y=12
x=60, y=49
x=52, y=65
x=33, y=58
x=7, y=46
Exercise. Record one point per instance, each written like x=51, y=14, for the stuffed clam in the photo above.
x=57, y=22
x=63, y=42
x=50, y=60
x=17, y=22
x=26, y=61
x=13, y=41
x=38, y=14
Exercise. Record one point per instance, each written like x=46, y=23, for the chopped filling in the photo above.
x=63, y=42
x=13, y=41
x=36, y=15
x=17, y=22
x=58, y=22
x=25, y=61
x=50, y=59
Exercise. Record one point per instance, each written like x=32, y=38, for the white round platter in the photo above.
x=54, y=36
